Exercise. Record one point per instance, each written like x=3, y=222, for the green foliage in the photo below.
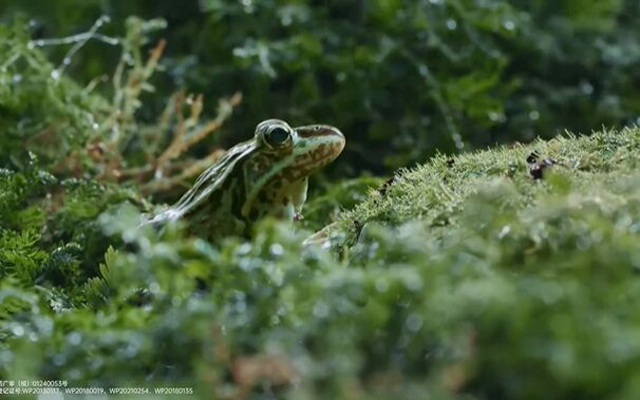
x=41, y=111
x=49, y=233
x=402, y=79
x=436, y=191
x=20, y=256
x=16, y=191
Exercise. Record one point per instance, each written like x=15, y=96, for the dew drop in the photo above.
x=504, y=231
x=586, y=88
x=17, y=330
x=276, y=249
x=244, y=249
x=414, y=322
x=74, y=338
x=131, y=350
x=58, y=359
x=154, y=288
x=320, y=310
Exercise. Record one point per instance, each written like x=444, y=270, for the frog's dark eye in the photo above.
x=277, y=136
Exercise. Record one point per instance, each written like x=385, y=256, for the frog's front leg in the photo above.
x=283, y=202
x=298, y=193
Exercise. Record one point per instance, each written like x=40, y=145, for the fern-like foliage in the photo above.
x=20, y=256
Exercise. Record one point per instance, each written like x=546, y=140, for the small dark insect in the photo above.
x=537, y=170
x=533, y=157
x=450, y=162
x=385, y=186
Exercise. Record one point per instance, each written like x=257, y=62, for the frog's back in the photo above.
x=213, y=205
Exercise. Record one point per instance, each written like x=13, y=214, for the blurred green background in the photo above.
x=402, y=79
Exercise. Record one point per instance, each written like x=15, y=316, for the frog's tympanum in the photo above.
x=265, y=176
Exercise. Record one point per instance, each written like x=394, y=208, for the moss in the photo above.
x=436, y=192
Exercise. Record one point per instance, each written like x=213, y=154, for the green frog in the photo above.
x=265, y=176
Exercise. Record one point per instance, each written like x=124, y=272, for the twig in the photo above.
x=182, y=143
x=79, y=41
x=193, y=169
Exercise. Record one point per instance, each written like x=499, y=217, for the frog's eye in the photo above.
x=277, y=136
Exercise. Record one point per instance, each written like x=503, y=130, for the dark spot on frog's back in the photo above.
x=288, y=174
x=259, y=163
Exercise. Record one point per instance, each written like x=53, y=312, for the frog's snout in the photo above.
x=335, y=140
x=327, y=140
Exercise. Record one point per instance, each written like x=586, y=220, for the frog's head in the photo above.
x=296, y=152
x=281, y=159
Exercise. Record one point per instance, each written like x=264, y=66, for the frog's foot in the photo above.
x=333, y=236
x=297, y=216
x=321, y=238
